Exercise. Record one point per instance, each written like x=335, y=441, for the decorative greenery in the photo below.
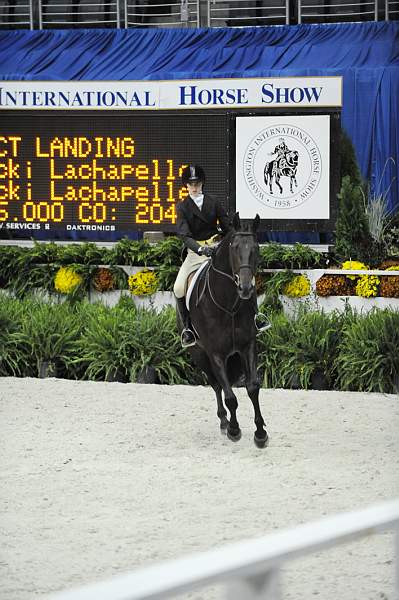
x=347, y=351
x=298, y=256
x=103, y=351
x=157, y=345
x=273, y=285
x=334, y=285
x=104, y=280
x=11, y=315
x=272, y=351
x=293, y=351
x=47, y=333
x=353, y=265
x=353, y=238
x=368, y=359
x=349, y=163
x=298, y=287
x=143, y=283
x=367, y=286
x=67, y=280
x=389, y=285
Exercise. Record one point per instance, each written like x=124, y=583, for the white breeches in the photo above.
x=190, y=264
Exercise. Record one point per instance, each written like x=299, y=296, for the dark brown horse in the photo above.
x=222, y=310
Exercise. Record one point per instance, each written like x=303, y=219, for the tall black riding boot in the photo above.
x=187, y=335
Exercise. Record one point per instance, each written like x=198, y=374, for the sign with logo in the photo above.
x=283, y=167
x=266, y=92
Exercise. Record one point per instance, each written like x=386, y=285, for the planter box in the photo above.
x=156, y=301
x=107, y=298
x=330, y=303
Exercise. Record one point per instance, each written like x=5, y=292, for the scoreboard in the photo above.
x=101, y=160
x=74, y=175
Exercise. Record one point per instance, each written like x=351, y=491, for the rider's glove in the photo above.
x=205, y=251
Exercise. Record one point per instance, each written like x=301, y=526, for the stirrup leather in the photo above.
x=264, y=323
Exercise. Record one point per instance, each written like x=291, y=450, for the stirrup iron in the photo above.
x=266, y=321
x=186, y=344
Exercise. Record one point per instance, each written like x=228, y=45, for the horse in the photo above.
x=222, y=310
x=283, y=166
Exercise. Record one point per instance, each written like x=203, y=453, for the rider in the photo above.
x=281, y=149
x=199, y=217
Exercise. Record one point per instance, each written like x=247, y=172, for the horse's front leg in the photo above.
x=252, y=384
x=221, y=412
x=230, y=399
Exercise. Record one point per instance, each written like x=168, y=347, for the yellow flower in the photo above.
x=367, y=286
x=297, y=287
x=66, y=280
x=354, y=265
x=143, y=283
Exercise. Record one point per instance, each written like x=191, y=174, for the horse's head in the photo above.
x=244, y=255
x=292, y=158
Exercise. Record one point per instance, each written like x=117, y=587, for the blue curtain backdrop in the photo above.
x=365, y=54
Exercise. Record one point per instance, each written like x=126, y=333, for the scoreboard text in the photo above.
x=74, y=175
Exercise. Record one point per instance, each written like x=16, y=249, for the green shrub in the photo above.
x=368, y=359
x=48, y=333
x=80, y=340
x=156, y=344
x=273, y=284
x=353, y=240
x=11, y=314
x=297, y=256
x=103, y=353
x=272, y=348
x=293, y=352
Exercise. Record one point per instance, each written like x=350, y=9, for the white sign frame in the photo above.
x=190, y=94
x=291, y=184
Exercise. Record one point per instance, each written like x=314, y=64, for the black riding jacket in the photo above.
x=194, y=224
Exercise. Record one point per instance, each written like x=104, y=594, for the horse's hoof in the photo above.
x=234, y=437
x=261, y=442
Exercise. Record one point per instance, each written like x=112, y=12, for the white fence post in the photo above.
x=396, y=559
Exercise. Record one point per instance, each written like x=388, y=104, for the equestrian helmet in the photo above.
x=192, y=173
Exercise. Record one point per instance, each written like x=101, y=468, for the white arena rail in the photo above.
x=249, y=569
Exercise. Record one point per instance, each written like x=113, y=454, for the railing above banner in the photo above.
x=44, y=14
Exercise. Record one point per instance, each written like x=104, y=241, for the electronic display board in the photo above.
x=96, y=176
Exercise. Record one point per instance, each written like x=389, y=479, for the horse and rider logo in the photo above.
x=282, y=166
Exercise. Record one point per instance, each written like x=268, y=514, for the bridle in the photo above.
x=235, y=278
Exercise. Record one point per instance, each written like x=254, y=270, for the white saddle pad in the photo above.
x=194, y=279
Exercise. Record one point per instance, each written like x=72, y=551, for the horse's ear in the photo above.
x=236, y=221
x=255, y=223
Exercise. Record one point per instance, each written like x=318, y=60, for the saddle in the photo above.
x=193, y=278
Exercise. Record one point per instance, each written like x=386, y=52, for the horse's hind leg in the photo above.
x=222, y=413
x=252, y=385
x=203, y=362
